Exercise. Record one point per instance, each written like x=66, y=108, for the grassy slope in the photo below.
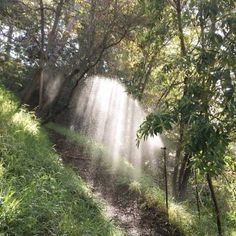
x=38, y=195
x=183, y=215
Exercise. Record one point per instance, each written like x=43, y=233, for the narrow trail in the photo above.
x=122, y=206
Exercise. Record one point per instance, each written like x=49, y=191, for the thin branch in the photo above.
x=117, y=41
x=166, y=92
x=44, y=8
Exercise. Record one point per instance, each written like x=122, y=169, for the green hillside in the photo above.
x=38, y=195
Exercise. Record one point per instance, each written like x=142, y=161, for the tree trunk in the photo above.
x=166, y=181
x=197, y=194
x=42, y=56
x=63, y=97
x=215, y=204
x=183, y=178
x=180, y=28
x=181, y=174
x=41, y=86
x=34, y=85
x=176, y=169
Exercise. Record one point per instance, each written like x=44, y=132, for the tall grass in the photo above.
x=38, y=195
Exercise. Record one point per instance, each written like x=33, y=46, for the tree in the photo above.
x=204, y=110
x=69, y=36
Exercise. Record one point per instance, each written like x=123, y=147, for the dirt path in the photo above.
x=120, y=205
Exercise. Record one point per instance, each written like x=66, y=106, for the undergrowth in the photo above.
x=38, y=195
x=182, y=215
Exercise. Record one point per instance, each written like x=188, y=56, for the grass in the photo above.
x=183, y=215
x=38, y=195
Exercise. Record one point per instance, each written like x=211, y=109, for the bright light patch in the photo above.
x=26, y=122
x=102, y=109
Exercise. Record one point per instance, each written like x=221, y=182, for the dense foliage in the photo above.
x=201, y=105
